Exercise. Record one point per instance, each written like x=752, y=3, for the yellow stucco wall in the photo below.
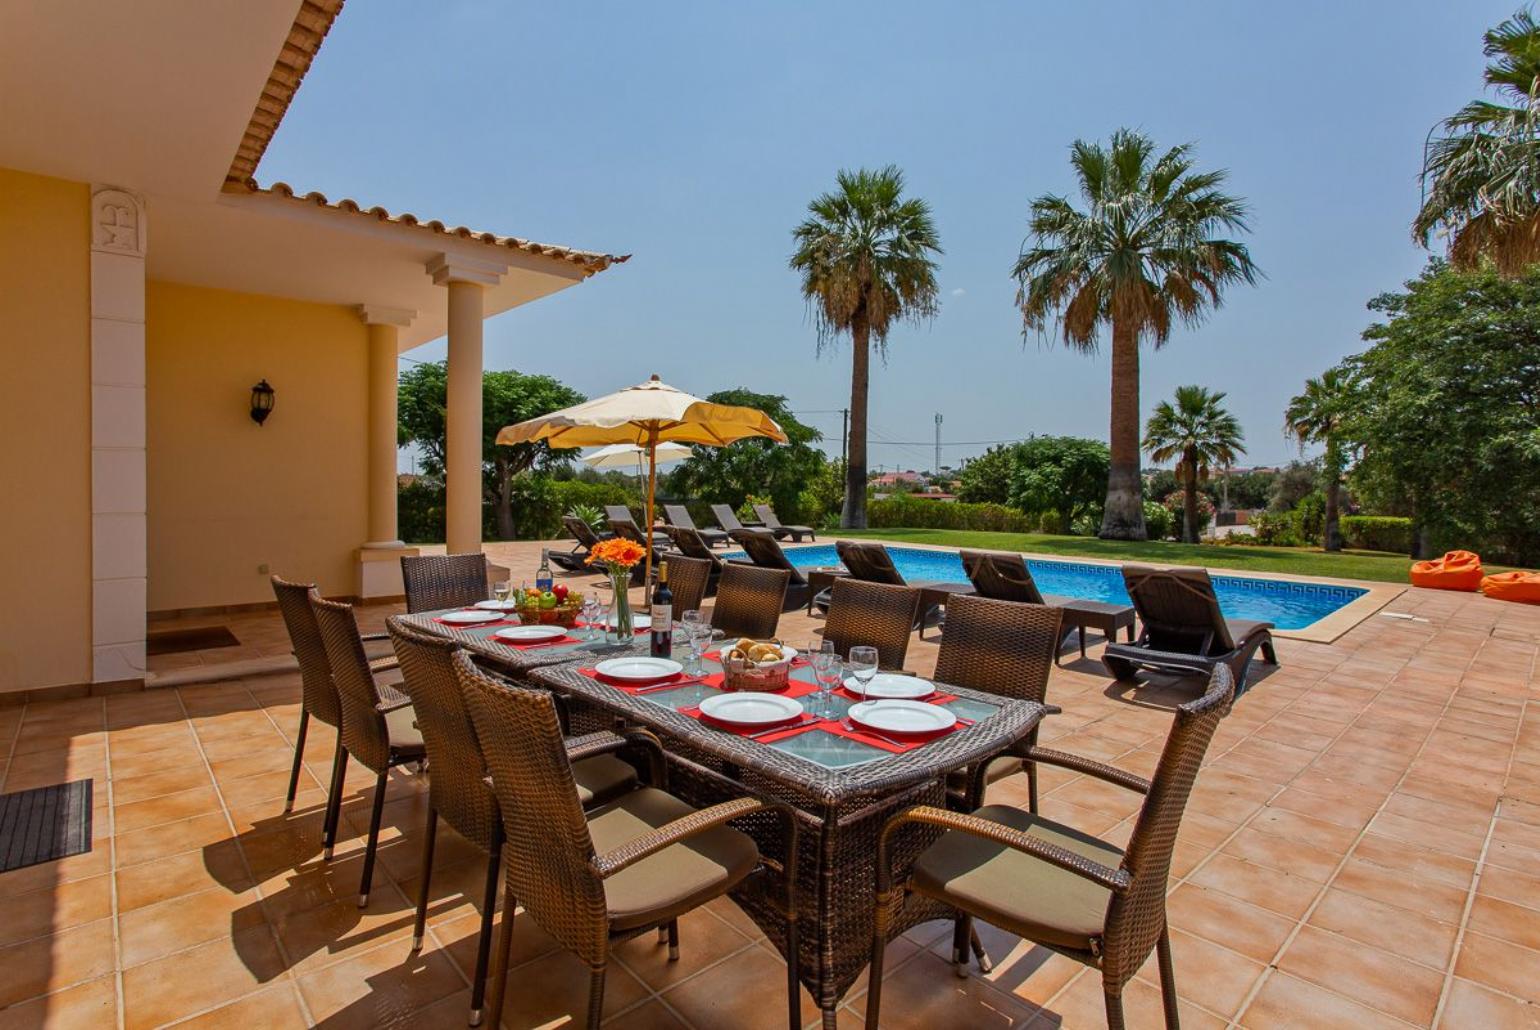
x=45, y=421
x=226, y=496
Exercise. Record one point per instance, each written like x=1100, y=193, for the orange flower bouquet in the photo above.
x=617, y=556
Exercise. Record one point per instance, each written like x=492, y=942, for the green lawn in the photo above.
x=1298, y=561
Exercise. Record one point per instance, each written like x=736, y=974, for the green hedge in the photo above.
x=1377, y=533
x=539, y=502
x=904, y=512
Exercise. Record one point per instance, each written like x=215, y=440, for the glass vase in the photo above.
x=620, y=607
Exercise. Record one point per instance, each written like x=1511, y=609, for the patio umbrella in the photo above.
x=630, y=456
x=645, y=416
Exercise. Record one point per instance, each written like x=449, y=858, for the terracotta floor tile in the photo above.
x=170, y=808
x=152, y=932
x=1395, y=929
x=1422, y=863
x=703, y=940
x=1083, y=1005
x=1506, y=920
x=555, y=987
x=1029, y=972
x=1288, y=1003
x=1254, y=932
x=91, y=1004
x=654, y=1015
x=923, y=993
x=1293, y=857
x=1473, y=1005
x=272, y=1008
x=171, y=838
x=1382, y=981
x=1509, y=885
x=1271, y=889
x=128, y=789
x=318, y=937
x=57, y=908
x=1500, y=964
x=1214, y=978
x=201, y=978
x=46, y=964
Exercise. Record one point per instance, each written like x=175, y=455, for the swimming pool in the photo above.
x=1285, y=603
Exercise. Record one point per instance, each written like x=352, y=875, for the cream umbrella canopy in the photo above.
x=630, y=456
x=645, y=415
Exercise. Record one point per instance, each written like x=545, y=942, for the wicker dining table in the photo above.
x=842, y=788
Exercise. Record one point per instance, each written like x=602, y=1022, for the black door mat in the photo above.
x=44, y=824
x=176, y=641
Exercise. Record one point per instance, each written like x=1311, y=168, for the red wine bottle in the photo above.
x=662, y=616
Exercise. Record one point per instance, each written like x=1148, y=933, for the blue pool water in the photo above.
x=1287, y=604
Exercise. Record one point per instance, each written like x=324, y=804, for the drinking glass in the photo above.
x=593, y=611
x=500, y=592
x=696, y=632
x=826, y=673
x=863, y=665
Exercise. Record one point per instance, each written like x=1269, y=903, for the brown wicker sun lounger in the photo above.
x=871, y=562
x=1004, y=576
x=728, y=519
x=780, y=529
x=584, y=538
x=763, y=551
x=623, y=524
x=1182, y=629
x=679, y=516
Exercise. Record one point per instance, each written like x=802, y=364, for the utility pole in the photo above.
x=844, y=437
x=938, y=443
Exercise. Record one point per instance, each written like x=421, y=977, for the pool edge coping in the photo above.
x=1325, y=630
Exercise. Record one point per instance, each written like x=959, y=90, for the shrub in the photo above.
x=1173, y=504
x=1274, y=530
x=1158, y=522
x=1309, y=517
x=906, y=512
x=420, y=512
x=1377, y=533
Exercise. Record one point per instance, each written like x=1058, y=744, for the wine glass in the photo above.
x=862, y=664
x=696, y=632
x=593, y=611
x=500, y=594
x=826, y=673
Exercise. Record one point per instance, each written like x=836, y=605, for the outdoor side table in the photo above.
x=1098, y=615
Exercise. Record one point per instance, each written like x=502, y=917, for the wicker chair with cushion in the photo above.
x=1182, y=629
x=1005, y=648
x=780, y=529
x=679, y=517
x=435, y=581
x=1054, y=885
x=687, y=581
x=319, y=695
x=378, y=737
x=594, y=879
x=764, y=551
x=458, y=791
x=749, y=601
x=875, y=614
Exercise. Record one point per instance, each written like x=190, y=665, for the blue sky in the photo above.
x=692, y=135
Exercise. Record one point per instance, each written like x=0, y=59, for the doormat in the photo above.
x=44, y=824
x=176, y=641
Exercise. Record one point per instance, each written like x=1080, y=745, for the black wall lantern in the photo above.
x=261, y=402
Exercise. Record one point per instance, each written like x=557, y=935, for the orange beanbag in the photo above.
x=1523, y=587
x=1457, y=570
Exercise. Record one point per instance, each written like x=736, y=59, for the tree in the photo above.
x=865, y=254
x=1064, y=476
x=1482, y=177
x=1447, y=418
x=1293, y=483
x=1316, y=416
x=987, y=478
x=1145, y=252
x=1199, y=434
x=506, y=398
x=726, y=475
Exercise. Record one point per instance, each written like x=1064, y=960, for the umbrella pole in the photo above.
x=652, y=489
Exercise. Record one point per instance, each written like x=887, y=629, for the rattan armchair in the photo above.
x=749, y=601
x=875, y=614
x=379, y=737
x=592, y=880
x=1005, y=648
x=435, y=581
x=458, y=791
x=687, y=581
x=1050, y=883
x=318, y=693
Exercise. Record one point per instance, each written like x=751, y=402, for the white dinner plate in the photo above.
x=895, y=716
x=895, y=685
x=529, y=634
x=638, y=622
x=639, y=669
x=751, y=709
x=495, y=605
x=469, y=618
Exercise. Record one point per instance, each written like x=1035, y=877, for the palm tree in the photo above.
x=1316, y=416
x=1482, y=177
x=1146, y=251
x=1199, y=433
x=866, y=258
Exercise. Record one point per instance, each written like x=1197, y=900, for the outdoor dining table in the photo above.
x=843, y=787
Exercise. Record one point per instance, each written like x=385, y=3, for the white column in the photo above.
x=465, y=278
x=119, y=565
x=384, y=325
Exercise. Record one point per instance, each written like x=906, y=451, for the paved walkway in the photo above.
x=1362, y=849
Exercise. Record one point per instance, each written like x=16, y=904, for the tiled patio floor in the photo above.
x=1363, y=849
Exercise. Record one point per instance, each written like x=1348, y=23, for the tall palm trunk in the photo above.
x=503, y=499
x=853, y=513
x=1333, y=540
x=1190, y=497
x=1123, y=517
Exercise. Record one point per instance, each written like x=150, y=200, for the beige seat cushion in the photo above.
x=401, y=729
x=601, y=778
x=999, y=769
x=679, y=877
x=1015, y=891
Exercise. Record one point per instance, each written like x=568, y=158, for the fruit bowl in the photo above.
x=564, y=614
